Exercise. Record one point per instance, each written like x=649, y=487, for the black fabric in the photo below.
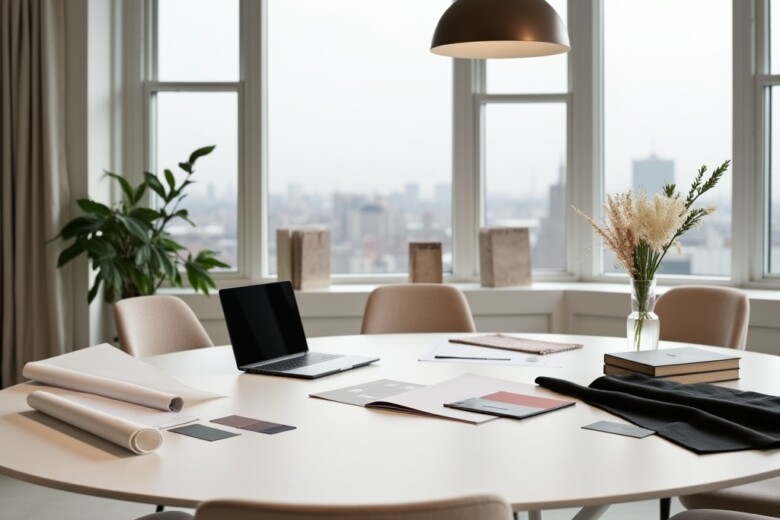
x=701, y=417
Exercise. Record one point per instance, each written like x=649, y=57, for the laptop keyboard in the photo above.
x=300, y=361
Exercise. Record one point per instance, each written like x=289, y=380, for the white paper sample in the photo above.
x=135, y=437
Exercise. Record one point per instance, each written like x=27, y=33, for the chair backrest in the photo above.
x=417, y=307
x=478, y=507
x=715, y=316
x=158, y=324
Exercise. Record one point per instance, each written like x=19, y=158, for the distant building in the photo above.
x=549, y=252
x=651, y=174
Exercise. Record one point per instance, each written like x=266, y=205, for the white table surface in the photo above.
x=347, y=454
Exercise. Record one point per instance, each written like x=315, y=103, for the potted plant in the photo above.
x=128, y=244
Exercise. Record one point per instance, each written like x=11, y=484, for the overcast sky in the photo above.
x=358, y=103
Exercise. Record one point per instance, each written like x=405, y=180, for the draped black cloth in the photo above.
x=701, y=417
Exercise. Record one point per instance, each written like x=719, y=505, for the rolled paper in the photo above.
x=99, y=385
x=132, y=436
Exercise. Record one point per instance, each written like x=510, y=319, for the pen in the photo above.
x=478, y=358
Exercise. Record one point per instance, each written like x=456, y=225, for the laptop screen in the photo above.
x=263, y=322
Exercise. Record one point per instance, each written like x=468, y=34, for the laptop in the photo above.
x=267, y=335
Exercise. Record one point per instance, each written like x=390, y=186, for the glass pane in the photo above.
x=774, y=37
x=187, y=121
x=360, y=131
x=774, y=181
x=525, y=176
x=197, y=40
x=542, y=75
x=667, y=111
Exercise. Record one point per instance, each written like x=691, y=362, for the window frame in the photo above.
x=584, y=175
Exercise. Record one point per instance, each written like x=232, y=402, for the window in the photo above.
x=524, y=144
x=667, y=111
x=194, y=102
x=348, y=122
x=771, y=87
x=359, y=129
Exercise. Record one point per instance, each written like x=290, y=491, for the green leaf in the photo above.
x=138, y=228
x=110, y=276
x=208, y=260
x=156, y=186
x=143, y=255
x=96, y=208
x=192, y=276
x=169, y=266
x=200, y=152
x=70, y=253
x=100, y=248
x=184, y=215
x=199, y=277
x=142, y=282
x=94, y=289
x=170, y=179
x=165, y=262
x=81, y=226
x=187, y=167
x=139, y=193
x=170, y=245
x=148, y=215
x=128, y=191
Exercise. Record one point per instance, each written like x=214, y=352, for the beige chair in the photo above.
x=715, y=514
x=417, y=307
x=703, y=315
x=151, y=325
x=477, y=507
x=715, y=316
x=760, y=498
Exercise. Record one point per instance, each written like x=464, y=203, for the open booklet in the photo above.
x=111, y=394
x=427, y=400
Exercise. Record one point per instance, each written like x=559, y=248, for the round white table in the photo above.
x=342, y=454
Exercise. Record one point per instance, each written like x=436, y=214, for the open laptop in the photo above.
x=267, y=334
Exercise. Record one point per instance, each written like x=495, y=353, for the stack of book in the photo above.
x=684, y=364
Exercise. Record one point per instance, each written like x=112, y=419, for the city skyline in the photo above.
x=371, y=231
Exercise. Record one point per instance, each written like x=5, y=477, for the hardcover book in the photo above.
x=672, y=361
x=697, y=377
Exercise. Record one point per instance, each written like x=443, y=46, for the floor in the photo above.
x=29, y=502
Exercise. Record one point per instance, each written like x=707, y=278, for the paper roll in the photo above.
x=99, y=385
x=135, y=437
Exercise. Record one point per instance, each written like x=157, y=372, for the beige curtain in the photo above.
x=34, y=195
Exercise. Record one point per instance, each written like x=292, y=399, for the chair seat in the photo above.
x=167, y=515
x=761, y=498
x=712, y=514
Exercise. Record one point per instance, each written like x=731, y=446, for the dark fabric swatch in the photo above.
x=206, y=433
x=701, y=417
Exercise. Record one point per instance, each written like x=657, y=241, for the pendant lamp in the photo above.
x=480, y=29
